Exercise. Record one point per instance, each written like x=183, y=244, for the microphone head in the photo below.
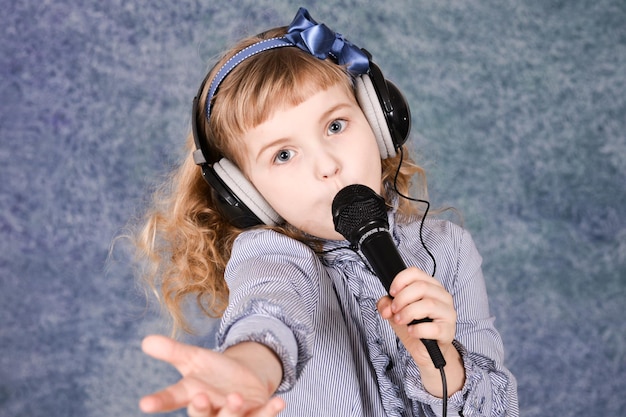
x=357, y=209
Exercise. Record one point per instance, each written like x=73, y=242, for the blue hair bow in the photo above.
x=321, y=42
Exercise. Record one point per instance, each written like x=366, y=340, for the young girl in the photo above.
x=283, y=122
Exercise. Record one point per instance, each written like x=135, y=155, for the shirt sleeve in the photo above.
x=490, y=389
x=273, y=295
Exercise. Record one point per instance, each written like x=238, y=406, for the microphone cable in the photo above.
x=444, y=383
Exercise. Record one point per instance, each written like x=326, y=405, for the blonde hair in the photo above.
x=183, y=242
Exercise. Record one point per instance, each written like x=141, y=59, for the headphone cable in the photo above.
x=427, y=203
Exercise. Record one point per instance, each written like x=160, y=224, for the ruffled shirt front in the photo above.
x=339, y=357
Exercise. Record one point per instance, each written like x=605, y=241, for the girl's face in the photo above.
x=303, y=155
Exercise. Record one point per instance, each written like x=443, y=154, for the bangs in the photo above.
x=267, y=82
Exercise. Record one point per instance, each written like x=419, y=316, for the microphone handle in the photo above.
x=380, y=251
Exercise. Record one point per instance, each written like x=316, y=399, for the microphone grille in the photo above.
x=354, y=208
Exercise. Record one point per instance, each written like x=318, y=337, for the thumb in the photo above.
x=384, y=308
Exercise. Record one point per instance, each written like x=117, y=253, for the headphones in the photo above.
x=382, y=103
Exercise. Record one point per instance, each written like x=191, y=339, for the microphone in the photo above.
x=360, y=216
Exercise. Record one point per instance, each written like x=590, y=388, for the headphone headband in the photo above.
x=238, y=58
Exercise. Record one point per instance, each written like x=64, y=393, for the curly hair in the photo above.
x=183, y=241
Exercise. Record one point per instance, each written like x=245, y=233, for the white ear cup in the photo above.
x=370, y=104
x=246, y=192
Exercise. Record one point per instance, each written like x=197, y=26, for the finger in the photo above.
x=150, y=404
x=160, y=347
x=171, y=351
x=200, y=406
x=272, y=408
x=438, y=310
x=442, y=326
x=426, y=330
x=233, y=407
x=418, y=291
x=407, y=276
x=169, y=399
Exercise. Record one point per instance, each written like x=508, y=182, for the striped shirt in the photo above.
x=339, y=356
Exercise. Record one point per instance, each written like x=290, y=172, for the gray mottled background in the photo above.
x=519, y=111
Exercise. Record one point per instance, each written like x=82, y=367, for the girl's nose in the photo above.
x=327, y=164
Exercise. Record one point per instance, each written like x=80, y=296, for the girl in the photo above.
x=284, y=121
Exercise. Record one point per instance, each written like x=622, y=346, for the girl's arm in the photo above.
x=460, y=310
x=238, y=382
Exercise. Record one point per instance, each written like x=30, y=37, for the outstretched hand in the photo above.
x=212, y=383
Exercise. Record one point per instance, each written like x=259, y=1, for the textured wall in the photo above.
x=519, y=111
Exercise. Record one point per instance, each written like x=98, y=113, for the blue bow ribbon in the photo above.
x=321, y=42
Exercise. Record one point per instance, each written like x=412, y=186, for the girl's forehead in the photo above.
x=287, y=117
x=333, y=95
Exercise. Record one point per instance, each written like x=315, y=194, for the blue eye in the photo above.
x=336, y=126
x=284, y=155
